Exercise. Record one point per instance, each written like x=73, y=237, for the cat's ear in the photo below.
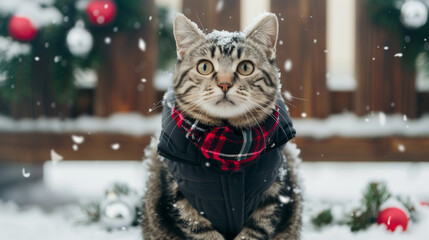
x=265, y=32
x=186, y=33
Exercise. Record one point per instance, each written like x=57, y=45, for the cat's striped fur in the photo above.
x=250, y=100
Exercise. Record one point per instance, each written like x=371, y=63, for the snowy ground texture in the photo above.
x=324, y=184
x=345, y=124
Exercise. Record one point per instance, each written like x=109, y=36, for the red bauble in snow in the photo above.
x=393, y=217
x=22, y=29
x=101, y=12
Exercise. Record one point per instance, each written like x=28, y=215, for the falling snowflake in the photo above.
x=144, y=80
x=288, y=65
x=55, y=157
x=142, y=44
x=284, y=199
x=100, y=19
x=78, y=139
x=140, y=87
x=75, y=147
x=36, y=58
x=386, y=48
x=219, y=5
x=303, y=115
x=297, y=190
x=401, y=147
x=115, y=146
x=25, y=174
x=107, y=40
x=288, y=95
x=314, y=40
x=207, y=164
x=398, y=55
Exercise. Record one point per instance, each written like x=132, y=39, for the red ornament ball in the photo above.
x=101, y=12
x=22, y=29
x=393, y=217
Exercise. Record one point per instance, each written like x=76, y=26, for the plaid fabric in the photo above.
x=226, y=146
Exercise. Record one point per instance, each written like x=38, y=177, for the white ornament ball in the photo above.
x=414, y=14
x=117, y=213
x=79, y=41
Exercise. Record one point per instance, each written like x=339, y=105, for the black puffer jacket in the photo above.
x=225, y=198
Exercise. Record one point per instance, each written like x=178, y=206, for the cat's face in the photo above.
x=226, y=76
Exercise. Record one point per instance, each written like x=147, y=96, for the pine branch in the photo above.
x=92, y=211
x=323, y=218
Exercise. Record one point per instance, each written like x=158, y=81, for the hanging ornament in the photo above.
x=79, y=40
x=393, y=214
x=117, y=211
x=414, y=14
x=22, y=29
x=101, y=12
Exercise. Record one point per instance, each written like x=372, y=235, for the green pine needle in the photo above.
x=323, y=218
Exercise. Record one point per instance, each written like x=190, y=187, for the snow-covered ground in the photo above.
x=376, y=124
x=324, y=184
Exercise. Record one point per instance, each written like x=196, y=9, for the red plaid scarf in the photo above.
x=230, y=148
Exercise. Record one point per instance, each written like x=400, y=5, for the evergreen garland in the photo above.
x=361, y=218
x=387, y=14
x=57, y=77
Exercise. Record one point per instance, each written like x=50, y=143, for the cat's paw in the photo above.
x=210, y=235
x=245, y=235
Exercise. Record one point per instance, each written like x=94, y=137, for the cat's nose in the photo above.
x=225, y=86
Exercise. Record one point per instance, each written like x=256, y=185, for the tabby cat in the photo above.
x=221, y=168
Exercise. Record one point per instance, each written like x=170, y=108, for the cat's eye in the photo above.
x=205, y=67
x=245, y=68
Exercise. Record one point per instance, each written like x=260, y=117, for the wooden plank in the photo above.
x=206, y=16
x=125, y=65
x=384, y=83
x=302, y=40
x=35, y=148
x=365, y=149
x=341, y=101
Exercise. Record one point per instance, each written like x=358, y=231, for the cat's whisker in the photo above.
x=259, y=125
x=270, y=115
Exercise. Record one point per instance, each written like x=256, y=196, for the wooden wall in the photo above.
x=384, y=84
x=35, y=148
x=303, y=33
x=207, y=16
x=381, y=82
x=118, y=78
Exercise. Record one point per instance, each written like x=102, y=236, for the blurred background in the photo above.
x=81, y=83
